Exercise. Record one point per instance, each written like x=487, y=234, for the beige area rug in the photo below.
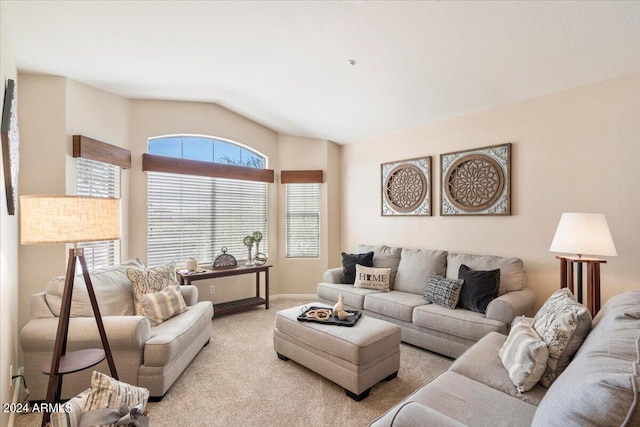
x=237, y=380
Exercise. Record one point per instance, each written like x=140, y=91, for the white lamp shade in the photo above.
x=583, y=234
x=47, y=219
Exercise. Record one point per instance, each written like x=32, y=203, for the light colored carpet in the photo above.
x=238, y=380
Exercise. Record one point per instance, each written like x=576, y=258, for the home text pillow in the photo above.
x=372, y=278
x=150, y=280
x=442, y=291
x=479, y=289
x=163, y=305
x=349, y=262
x=524, y=355
x=107, y=392
x=563, y=323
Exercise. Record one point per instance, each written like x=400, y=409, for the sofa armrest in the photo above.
x=190, y=294
x=414, y=414
x=515, y=303
x=40, y=307
x=332, y=275
x=123, y=332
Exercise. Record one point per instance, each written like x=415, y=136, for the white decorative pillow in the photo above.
x=163, y=305
x=73, y=415
x=563, y=323
x=524, y=355
x=372, y=278
x=107, y=392
x=150, y=280
x=444, y=292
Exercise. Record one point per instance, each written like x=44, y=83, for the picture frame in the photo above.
x=10, y=145
x=476, y=181
x=406, y=187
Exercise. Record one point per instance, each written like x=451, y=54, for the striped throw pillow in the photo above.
x=163, y=305
x=524, y=355
x=442, y=291
x=107, y=392
x=72, y=416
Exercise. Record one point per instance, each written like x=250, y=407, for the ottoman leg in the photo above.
x=358, y=397
x=392, y=376
x=285, y=358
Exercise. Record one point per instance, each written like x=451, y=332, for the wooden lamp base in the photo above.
x=593, y=279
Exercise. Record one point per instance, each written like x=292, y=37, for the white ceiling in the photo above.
x=285, y=64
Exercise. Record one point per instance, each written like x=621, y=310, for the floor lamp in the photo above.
x=581, y=234
x=51, y=219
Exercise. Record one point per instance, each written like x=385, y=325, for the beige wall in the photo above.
x=575, y=151
x=301, y=275
x=8, y=244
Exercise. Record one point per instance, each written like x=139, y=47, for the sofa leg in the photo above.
x=358, y=397
x=392, y=376
x=281, y=357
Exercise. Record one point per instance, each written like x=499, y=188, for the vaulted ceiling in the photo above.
x=286, y=64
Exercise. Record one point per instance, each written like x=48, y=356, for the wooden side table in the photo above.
x=237, y=305
x=593, y=279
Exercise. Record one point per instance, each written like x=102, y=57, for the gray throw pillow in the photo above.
x=444, y=292
x=349, y=262
x=563, y=323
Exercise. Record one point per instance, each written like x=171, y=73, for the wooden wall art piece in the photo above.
x=476, y=182
x=10, y=145
x=406, y=187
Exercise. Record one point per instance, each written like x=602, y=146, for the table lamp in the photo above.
x=583, y=234
x=52, y=219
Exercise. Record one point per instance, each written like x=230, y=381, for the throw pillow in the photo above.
x=72, y=415
x=479, y=289
x=383, y=257
x=524, y=355
x=442, y=291
x=563, y=323
x=163, y=305
x=149, y=280
x=372, y=278
x=107, y=392
x=349, y=262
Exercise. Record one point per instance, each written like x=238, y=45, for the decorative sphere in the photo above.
x=260, y=259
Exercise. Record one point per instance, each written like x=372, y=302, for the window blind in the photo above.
x=303, y=220
x=97, y=179
x=195, y=216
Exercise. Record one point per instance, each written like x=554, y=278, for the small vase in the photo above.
x=249, y=262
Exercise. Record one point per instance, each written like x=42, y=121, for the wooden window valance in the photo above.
x=301, y=177
x=99, y=151
x=155, y=163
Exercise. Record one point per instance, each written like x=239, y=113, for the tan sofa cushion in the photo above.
x=353, y=297
x=459, y=322
x=170, y=338
x=511, y=269
x=415, y=268
x=398, y=305
x=383, y=257
x=111, y=286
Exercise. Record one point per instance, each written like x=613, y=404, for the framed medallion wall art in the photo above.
x=406, y=187
x=476, y=182
x=10, y=145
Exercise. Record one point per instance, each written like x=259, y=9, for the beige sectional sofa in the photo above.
x=430, y=326
x=598, y=388
x=148, y=356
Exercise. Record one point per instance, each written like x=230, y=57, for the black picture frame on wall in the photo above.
x=10, y=145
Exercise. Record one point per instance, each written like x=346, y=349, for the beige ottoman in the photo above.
x=355, y=358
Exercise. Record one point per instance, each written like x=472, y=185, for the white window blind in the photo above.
x=97, y=179
x=303, y=220
x=194, y=217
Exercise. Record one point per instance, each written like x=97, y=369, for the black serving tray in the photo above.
x=333, y=320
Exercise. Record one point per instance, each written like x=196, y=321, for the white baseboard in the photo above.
x=293, y=296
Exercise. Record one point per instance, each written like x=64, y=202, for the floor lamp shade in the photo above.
x=48, y=219
x=583, y=234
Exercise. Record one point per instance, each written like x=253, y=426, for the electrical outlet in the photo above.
x=212, y=289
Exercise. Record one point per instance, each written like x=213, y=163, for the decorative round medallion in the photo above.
x=474, y=182
x=405, y=188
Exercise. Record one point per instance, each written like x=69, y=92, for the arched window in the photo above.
x=191, y=216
